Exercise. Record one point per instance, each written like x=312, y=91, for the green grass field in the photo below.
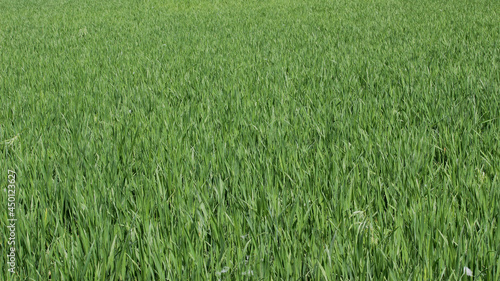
x=250, y=140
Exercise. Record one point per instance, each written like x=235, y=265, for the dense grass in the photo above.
x=251, y=140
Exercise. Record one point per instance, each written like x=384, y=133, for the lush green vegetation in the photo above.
x=251, y=140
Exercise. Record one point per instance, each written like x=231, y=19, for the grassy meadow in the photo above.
x=251, y=140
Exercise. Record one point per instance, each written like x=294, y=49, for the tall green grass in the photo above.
x=251, y=140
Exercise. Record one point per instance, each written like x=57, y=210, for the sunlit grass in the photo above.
x=249, y=140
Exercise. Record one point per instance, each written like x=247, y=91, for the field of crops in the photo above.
x=250, y=140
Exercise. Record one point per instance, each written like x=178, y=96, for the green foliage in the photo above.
x=251, y=140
